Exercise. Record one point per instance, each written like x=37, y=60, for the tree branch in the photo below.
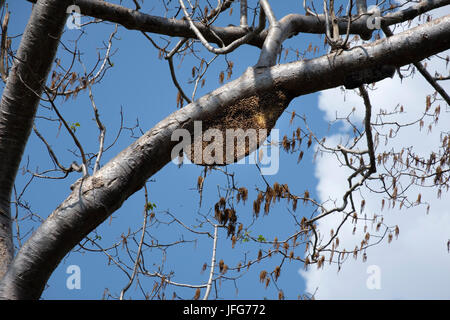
x=135, y=20
x=275, y=37
x=368, y=129
x=139, y=251
x=172, y=69
x=244, y=20
x=387, y=31
x=213, y=264
x=225, y=49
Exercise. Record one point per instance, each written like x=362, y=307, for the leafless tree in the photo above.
x=261, y=94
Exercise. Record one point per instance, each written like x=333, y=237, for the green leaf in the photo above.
x=74, y=126
x=246, y=236
x=150, y=206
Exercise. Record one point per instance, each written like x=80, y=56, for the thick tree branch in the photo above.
x=135, y=20
x=387, y=31
x=274, y=39
x=172, y=69
x=316, y=24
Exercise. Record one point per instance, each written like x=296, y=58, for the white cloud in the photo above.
x=415, y=266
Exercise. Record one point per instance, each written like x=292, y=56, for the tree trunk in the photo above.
x=19, y=103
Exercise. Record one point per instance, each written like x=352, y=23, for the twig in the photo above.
x=72, y=134
x=87, y=81
x=177, y=284
x=442, y=78
x=387, y=31
x=349, y=17
x=225, y=49
x=221, y=6
x=172, y=69
x=102, y=129
x=213, y=263
x=136, y=263
x=368, y=129
x=308, y=10
x=138, y=6
x=200, y=76
x=49, y=149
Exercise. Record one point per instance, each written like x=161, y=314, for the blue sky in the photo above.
x=139, y=84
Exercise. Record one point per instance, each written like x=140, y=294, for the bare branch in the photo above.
x=213, y=264
x=387, y=31
x=225, y=49
x=172, y=69
x=71, y=133
x=139, y=251
x=368, y=129
x=102, y=129
x=50, y=151
x=308, y=10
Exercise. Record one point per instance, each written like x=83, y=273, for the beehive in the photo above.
x=258, y=112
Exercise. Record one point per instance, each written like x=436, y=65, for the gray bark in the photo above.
x=135, y=20
x=94, y=198
x=19, y=102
